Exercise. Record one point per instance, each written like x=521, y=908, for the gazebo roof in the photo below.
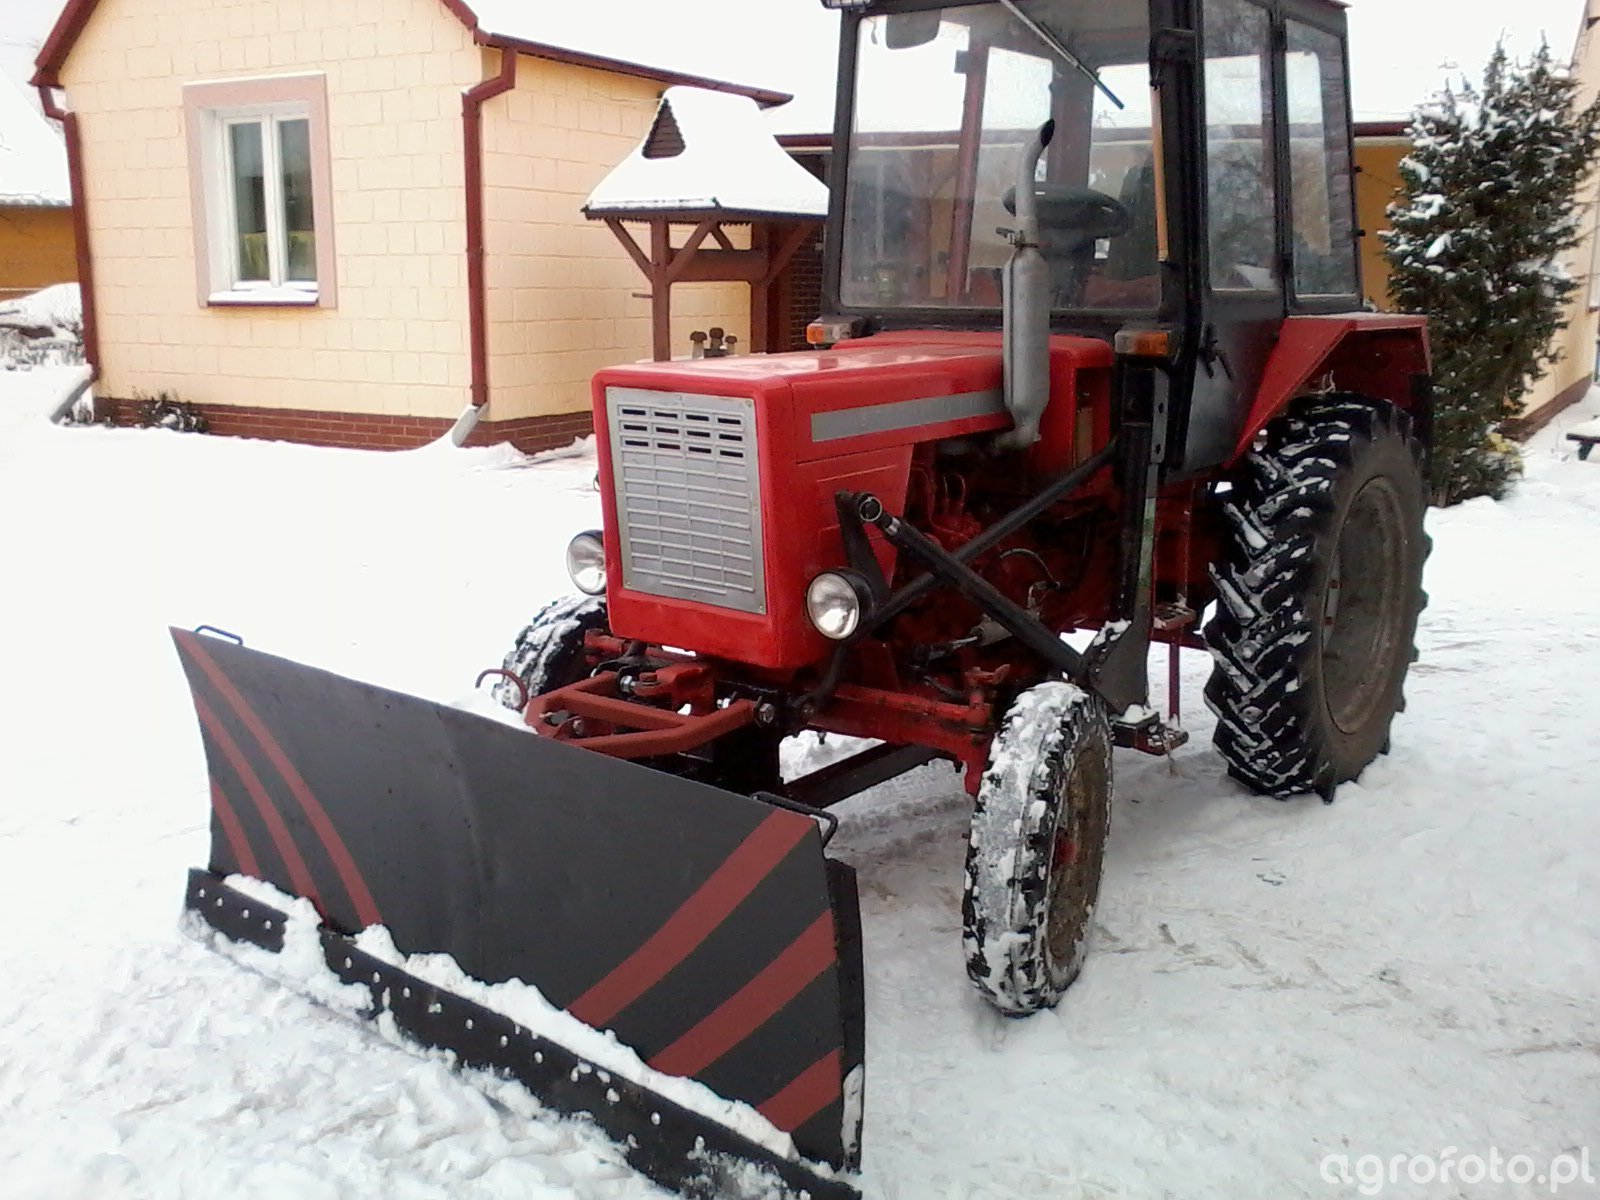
x=709, y=154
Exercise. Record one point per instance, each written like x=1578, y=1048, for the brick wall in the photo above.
x=800, y=285
x=363, y=431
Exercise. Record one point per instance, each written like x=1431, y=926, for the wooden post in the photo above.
x=761, y=291
x=660, y=290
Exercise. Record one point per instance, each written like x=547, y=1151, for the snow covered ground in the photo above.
x=1411, y=971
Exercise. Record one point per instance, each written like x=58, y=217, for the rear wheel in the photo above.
x=1318, y=597
x=1038, y=840
x=548, y=653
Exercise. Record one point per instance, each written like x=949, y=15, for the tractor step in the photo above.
x=1148, y=735
x=672, y=1145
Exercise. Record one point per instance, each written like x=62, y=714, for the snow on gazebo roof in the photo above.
x=707, y=153
x=33, y=159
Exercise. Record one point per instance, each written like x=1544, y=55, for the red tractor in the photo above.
x=1094, y=360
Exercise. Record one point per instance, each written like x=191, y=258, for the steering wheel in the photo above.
x=1080, y=211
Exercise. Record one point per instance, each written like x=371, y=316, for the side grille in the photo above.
x=688, y=496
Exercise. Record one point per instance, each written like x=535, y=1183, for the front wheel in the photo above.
x=548, y=653
x=1038, y=840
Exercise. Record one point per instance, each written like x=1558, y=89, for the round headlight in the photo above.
x=834, y=603
x=586, y=563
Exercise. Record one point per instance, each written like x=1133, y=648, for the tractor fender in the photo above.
x=1373, y=354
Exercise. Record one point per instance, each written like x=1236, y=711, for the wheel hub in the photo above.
x=1362, y=607
x=1074, y=879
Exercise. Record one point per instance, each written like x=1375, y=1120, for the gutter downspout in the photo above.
x=80, y=222
x=472, y=102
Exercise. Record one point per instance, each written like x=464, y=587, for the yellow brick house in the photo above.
x=342, y=223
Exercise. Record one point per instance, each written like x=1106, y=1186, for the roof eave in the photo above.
x=63, y=34
x=69, y=25
x=1372, y=130
x=765, y=97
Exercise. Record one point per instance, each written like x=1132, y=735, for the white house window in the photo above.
x=259, y=161
x=273, y=230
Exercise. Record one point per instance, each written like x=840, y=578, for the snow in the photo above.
x=1410, y=969
x=729, y=162
x=301, y=964
x=58, y=307
x=33, y=158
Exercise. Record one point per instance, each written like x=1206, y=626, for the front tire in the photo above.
x=1318, y=597
x=1038, y=841
x=548, y=653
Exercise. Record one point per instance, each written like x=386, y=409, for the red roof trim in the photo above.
x=806, y=141
x=762, y=96
x=59, y=44
x=1382, y=129
x=70, y=24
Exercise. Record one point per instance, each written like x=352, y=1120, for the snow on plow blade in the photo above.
x=705, y=928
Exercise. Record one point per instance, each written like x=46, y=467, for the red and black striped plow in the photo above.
x=705, y=928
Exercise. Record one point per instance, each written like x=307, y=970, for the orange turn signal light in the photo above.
x=828, y=333
x=1144, y=343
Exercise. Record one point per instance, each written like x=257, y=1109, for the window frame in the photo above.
x=1321, y=301
x=1316, y=17
x=1269, y=56
x=212, y=111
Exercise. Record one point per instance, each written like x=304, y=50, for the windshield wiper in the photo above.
x=1044, y=34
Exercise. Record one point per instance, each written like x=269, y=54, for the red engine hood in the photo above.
x=843, y=419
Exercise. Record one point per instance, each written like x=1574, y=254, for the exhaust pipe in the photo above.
x=1026, y=286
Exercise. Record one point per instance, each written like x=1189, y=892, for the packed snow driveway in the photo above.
x=1410, y=971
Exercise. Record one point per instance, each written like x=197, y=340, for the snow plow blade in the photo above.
x=706, y=929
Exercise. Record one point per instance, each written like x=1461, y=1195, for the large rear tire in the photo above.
x=1038, y=841
x=1319, y=594
x=548, y=653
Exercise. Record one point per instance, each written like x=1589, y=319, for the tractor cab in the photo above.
x=1197, y=183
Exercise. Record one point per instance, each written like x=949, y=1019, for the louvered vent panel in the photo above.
x=688, y=496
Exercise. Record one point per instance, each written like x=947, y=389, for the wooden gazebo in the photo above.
x=708, y=164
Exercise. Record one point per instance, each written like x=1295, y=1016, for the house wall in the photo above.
x=1377, y=181
x=1569, y=379
x=37, y=249
x=396, y=343
x=564, y=297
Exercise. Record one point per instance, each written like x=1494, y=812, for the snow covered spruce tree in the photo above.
x=1488, y=205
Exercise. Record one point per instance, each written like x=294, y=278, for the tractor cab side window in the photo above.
x=1319, y=165
x=1238, y=82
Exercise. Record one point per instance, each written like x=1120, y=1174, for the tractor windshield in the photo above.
x=946, y=102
